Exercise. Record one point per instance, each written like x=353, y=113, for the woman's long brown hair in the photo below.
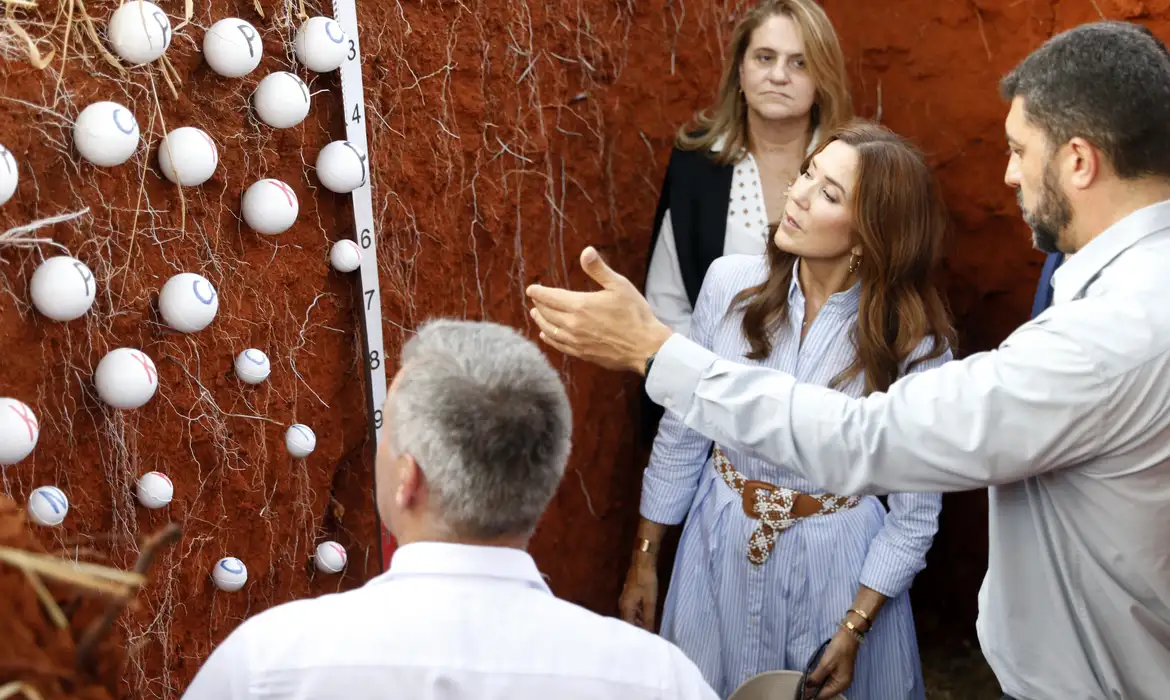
x=727, y=118
x=901, y=224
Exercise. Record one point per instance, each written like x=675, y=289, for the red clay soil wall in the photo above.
x=504, y=136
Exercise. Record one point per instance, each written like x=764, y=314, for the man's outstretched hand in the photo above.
x=612, y=327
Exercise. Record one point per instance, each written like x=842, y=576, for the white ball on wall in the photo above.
x=139, y=32
x=345, y=256
x=187, y=156
x=188, y=303
x=126, y=378
x=19, y=431
x=300, y=440
x=270, y=207
x=48, y=506
x=62, y=288
x=232, y=47
x=281, y=100
x=341, y=167
x=252, y=366
x=155, y=490
x=331, y=557
x=106, y=134
x=320, y=44
x=9, y=174
x=229, y=574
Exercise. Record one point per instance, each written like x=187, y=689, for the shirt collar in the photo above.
x=1075, y=274
x=844, y=302
x=449, y=559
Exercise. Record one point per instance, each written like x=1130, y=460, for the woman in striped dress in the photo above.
x=768, y=567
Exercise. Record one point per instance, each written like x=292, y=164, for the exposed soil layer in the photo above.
x=32, y=648
x=504, y=137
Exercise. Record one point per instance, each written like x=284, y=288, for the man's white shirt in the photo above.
x=446, y=621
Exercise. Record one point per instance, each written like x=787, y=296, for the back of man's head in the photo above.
x=487, y=420
x=1107, y=82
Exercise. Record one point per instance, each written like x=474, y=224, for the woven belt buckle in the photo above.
x=751, y=495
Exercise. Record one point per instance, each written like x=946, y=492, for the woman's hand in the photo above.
x=836, y=665
x=640, y=594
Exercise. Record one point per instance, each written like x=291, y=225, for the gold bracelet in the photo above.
x=862, y=615
x=852, y=629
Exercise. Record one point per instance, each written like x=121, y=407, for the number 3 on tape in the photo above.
x=353, y=97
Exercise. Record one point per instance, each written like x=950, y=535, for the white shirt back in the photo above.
x=445, y=622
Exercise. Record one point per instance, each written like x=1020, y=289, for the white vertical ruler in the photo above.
x=354, y=102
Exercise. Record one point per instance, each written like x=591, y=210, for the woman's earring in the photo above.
x=854, y=263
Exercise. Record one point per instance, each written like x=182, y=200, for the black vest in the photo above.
x=697, y=191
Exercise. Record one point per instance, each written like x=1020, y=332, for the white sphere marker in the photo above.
x=252, y=366
x=19, y=431
x=9, y=174
x=48, y=506
x=62, y=288
x=106, y=134
x=300, y=440
x=232, y=47
x=187, y=156
x=139, y=32
x=341, y=167
x=155, y=490
x=331, y=557
x=270, y=207
x=321, y=45
x=188, y=302
x=229, y=574
x=281, y=100
x=126, y=378
x=345, y=256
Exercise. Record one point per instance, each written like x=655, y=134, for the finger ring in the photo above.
x=555, y=331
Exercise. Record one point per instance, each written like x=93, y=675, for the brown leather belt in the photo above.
x=776, y=507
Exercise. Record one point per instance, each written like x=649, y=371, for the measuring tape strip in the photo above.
x=353, y=99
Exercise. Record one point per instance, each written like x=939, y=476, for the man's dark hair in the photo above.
x=1107, y=82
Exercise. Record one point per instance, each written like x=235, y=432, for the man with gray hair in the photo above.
x=1067, y=422
x=477, y=436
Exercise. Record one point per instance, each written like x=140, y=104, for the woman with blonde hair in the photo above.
x=785, y=82
x=769, y=569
